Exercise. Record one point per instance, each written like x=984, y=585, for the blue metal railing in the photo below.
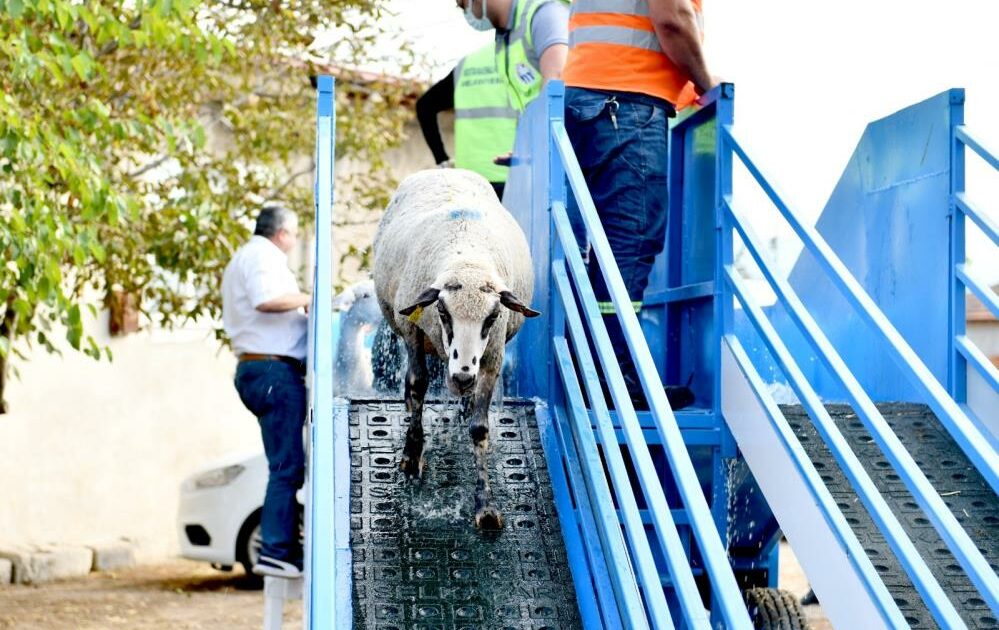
x=732, y=221
x=327, y=552
x=963, y=351
x=572, y=287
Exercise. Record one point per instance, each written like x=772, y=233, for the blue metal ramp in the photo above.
x=663, y=519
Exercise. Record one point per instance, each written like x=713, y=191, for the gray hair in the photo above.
x=272, y=219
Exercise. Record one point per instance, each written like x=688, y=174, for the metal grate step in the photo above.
x=419, y=563
x=962, y=488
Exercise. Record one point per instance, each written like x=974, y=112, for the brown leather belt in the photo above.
x=295, y=363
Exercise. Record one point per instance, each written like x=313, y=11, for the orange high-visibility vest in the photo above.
x=613, y=46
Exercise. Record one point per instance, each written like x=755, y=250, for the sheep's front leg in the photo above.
x=417, y=381
x=487, y=516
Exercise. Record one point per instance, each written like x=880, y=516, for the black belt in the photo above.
x=298, y=364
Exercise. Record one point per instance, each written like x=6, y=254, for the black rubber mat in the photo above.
x=419, y=562
x=969, y=497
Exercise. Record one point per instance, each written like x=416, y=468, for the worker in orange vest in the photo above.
x=632, y=64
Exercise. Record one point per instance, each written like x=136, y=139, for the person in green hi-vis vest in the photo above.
x=532, y=41
x=485, y=123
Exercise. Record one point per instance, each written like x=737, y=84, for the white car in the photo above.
x=218, y=520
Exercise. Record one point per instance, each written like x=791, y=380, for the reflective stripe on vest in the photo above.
x=607, y=308
x=485, y=123
x=613, y=46
x=627, y=7
x=516, y=58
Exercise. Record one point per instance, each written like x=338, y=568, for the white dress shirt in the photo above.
x=258, y=273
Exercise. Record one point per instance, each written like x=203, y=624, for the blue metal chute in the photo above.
x=965, y=432
x=658, y=546
x=667, y=515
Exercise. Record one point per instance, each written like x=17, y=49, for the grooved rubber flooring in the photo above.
x=968, y=496
x=419, y=562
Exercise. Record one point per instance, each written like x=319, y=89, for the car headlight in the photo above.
x=218, y=477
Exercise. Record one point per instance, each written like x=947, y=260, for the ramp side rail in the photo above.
x=327, y=527
x=963, y=351
x=734, y=220
x=571, y=288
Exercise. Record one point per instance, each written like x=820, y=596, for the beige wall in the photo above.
x=92, y=451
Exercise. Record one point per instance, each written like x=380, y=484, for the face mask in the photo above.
x=478, y=23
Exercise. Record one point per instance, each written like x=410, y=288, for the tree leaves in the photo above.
x=138, y=140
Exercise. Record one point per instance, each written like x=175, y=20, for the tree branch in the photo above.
x=272, y=195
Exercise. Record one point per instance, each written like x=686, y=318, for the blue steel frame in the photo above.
x=327, y=555
x=971, y=559
x=963, y=351
x=633, y=574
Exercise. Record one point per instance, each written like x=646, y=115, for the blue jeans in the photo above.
x=275, y=392
x=622, y=150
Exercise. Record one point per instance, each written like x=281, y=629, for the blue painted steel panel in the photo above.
x=527, y=201
x=887, y=220
x=325, y=570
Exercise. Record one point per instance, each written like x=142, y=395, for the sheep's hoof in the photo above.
x=488, y=518
x=412, y=466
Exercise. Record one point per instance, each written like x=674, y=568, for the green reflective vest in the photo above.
x=516, y=59
x=484, y=122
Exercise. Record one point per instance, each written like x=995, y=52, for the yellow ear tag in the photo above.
x=415, y=315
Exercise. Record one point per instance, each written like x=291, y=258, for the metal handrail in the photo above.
x=963, y=350
x=965, y=433
x=712, y=550
x=321, y=574
x=963, y=134
x=984, y=223
x=676, y=558
x=882, y=515
x=936, y=509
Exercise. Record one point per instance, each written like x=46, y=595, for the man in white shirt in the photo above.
x=263, y=312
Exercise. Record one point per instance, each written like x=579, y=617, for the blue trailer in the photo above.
x=853, y=415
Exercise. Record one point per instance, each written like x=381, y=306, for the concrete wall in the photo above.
x=93, y=451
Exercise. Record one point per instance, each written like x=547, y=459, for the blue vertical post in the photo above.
x=320, y=561
x=957, y=365
x=555, y=106
x=723, y=315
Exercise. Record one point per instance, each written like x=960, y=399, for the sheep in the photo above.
x=360, y=314
x=445, y=239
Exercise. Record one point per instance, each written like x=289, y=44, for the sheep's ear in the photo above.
x=513, y=303
x=425, y=299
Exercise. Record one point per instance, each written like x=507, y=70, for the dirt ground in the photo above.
x=178, y=595
x=184, y=595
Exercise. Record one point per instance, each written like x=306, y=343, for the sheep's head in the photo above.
x=470, y=310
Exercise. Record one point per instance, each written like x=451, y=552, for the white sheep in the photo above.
x=445, y=239
x=359, y=315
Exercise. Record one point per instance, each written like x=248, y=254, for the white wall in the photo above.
x=94, y=450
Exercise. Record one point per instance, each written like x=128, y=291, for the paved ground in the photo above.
x=183, y=595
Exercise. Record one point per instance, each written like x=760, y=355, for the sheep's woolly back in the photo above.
x=447, y=220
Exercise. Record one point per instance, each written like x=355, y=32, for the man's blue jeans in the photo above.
x=275, y=392
x=622, y=149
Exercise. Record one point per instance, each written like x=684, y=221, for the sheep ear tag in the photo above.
x=415, y=315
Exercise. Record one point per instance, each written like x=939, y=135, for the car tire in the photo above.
x=248, y=549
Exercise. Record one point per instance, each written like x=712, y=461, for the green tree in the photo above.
x=139, y=137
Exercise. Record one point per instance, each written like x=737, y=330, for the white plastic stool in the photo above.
x=276, y=590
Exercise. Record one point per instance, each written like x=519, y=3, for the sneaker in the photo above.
x=277, y=568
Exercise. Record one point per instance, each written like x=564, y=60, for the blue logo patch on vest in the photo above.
x=466, y=215
x=526, y=74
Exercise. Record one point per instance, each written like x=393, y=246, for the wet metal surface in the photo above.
x=419, y=562
x=964, y=491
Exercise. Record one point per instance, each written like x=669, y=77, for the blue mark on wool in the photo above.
x=466, y=215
